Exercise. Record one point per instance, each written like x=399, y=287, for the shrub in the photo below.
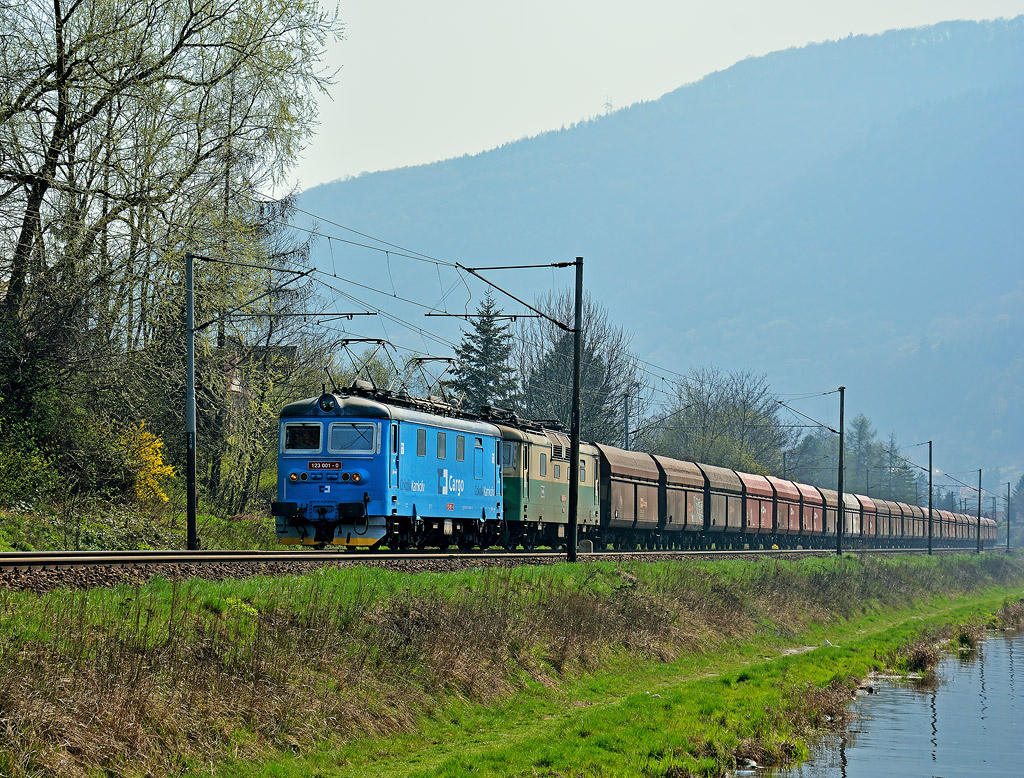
x=145, y=462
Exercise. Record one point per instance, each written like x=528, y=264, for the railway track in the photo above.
x=36, y=560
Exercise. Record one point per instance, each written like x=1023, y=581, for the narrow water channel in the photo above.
x=967, y=725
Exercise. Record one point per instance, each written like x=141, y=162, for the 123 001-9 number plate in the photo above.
x=324, y=466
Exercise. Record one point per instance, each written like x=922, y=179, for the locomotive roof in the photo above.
x=348, y=406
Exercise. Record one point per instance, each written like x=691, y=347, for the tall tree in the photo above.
x=815, y=459
x=726, y=419
x=863, y=455
x=543, y=357
x=130, y=131
x=483, y=373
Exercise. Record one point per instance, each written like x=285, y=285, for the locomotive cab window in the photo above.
x=543, y=464
x=421, y=443
x=583, y=471
x=509, y=454
x=302, y=438
x=352, y=438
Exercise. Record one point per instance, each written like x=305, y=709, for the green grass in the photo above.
x=525, y=671
x=750, y=700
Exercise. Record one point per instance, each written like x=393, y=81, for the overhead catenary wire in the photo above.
x=401, y=251
x=650, y=370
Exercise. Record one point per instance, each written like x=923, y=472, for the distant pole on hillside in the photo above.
x=842, y=507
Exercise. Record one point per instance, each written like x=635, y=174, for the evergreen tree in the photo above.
x=1016, y=516
x=482, y=373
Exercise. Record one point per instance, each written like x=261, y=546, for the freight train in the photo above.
x=364, y=468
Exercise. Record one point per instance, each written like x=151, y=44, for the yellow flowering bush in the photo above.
x=146, y=462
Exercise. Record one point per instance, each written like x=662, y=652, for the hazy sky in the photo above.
x=424, y=81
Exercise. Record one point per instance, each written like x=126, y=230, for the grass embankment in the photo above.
x=113, y=526
x=648, y=669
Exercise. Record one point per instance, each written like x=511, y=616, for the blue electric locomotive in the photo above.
x=358, y=469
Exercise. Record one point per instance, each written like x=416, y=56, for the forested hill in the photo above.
x=848, y=212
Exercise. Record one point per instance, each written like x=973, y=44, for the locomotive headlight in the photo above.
x=356, y=478
x=293, y=477
x=326, y=403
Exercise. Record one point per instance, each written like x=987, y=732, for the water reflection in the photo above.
x=966, y=725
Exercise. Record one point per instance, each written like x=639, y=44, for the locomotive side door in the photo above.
x=393, y=457
x=526, y=467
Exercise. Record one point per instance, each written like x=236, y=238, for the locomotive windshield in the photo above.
x=302, y=437
x=351, y=438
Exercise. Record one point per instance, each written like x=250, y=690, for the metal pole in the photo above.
x=783, y=465
x=842, y=506
x=979, y=510
x=867, y=481
x=1007, y=516
x=190, y=405
x=930, y=471
x=574, y=443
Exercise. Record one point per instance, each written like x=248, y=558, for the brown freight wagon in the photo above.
x=758, y=509
x=681, y=499
x=723, y=505
x=787, y=509
x=811, y=512
x=629, y=497
x=830, y=498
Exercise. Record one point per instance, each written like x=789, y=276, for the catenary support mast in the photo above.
x=574, y=443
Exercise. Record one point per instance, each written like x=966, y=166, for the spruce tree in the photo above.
x=482, y=372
